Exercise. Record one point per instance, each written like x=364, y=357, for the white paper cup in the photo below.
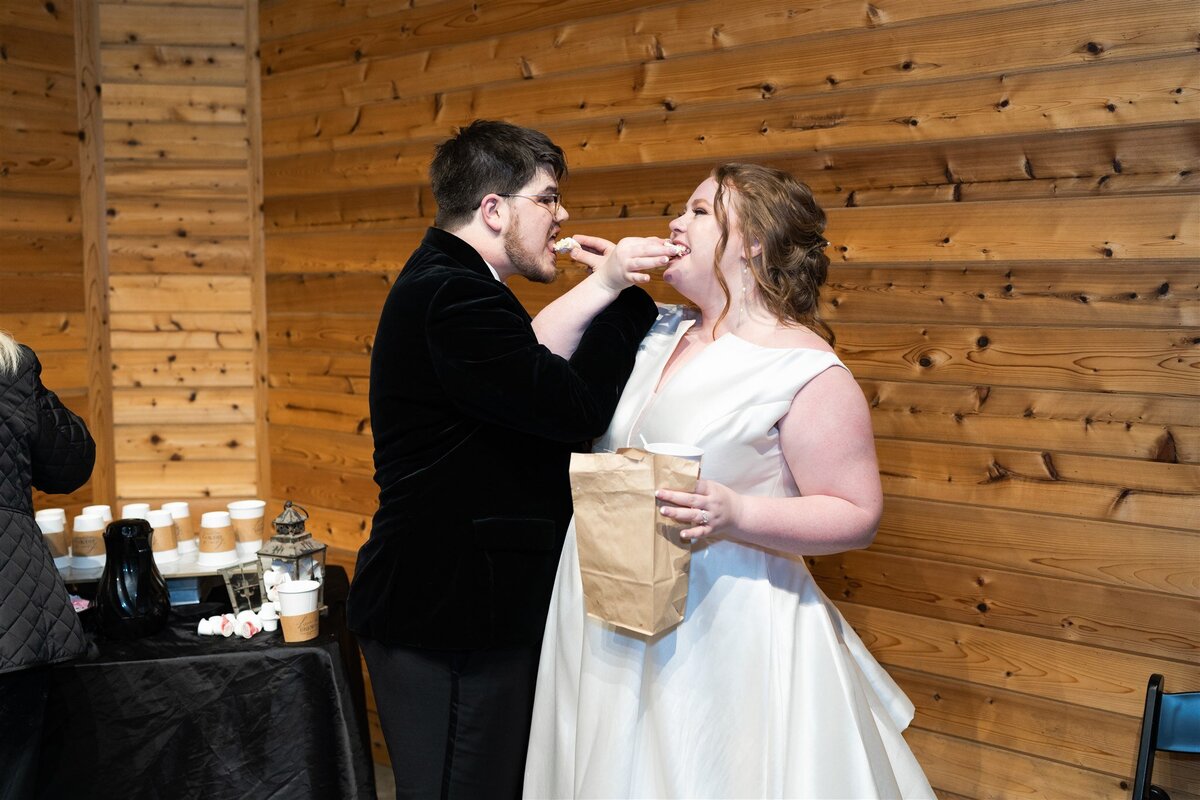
x=217, y=543
x=162, y=538
x=52, y=513
x=298, y=615
x=54, y=534
x=105, y=512
x=297, y=597
x=690, y=452
x=185, y=533
x=87, y=541
x=135, y=510
x=247, y=519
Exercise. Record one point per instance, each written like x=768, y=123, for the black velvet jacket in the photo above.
x=474, y=424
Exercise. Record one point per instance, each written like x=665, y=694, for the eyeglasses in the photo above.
x=550, y=202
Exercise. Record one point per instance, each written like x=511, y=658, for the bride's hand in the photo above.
x=711, y=508
x=624, y=263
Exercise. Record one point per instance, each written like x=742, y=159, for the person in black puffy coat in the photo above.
x=43, y=445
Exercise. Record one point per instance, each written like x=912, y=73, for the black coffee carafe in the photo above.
x=132, y=599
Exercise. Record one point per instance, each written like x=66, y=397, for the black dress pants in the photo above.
x=456, y=722
x=22, y=713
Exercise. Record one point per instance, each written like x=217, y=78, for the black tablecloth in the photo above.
x=179, y=715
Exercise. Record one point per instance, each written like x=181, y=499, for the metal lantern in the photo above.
x=292, y=551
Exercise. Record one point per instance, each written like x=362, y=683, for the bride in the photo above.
x=763, y=690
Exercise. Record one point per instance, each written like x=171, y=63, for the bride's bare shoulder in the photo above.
x=796, y=337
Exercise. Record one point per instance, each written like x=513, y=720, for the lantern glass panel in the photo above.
x=293, y=552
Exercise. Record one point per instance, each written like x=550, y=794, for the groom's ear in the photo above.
x=493, y=212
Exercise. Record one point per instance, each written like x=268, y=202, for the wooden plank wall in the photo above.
x=181, y=216
x=41, y=244
x=1012, y=188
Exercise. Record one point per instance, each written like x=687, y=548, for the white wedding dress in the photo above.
x=763, y=690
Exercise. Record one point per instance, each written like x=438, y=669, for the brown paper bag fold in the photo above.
x=632, y=561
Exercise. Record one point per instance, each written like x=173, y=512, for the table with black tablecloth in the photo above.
x=179, y=715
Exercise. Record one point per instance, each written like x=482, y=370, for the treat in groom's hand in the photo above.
x=565, y=245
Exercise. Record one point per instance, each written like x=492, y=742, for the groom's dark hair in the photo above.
x=487, y=156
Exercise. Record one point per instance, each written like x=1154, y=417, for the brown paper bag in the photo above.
x=633, y=564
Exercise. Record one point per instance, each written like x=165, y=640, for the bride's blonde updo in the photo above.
x=779, y=213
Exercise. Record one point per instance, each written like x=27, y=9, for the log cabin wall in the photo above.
x=1012, y=197
x=180, y=160
x=42, y=281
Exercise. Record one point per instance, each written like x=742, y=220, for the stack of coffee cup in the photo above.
x=217, y=543
x=87, y=541
x=247, y=518
x=53, y=522
x=185, y=534
x=298, y=614
x=162, y=537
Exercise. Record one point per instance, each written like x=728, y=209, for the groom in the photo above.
x=474, y=423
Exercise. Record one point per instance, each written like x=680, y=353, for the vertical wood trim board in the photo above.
x=95, y=245
x=258, y=276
